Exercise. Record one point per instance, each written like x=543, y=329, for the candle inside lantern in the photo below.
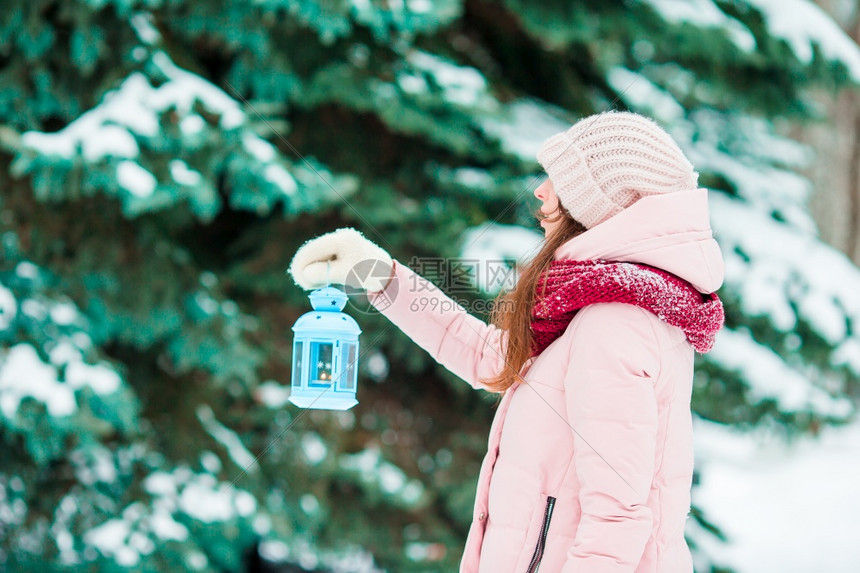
x=323, y=363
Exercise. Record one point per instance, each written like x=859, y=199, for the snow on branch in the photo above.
x=768, y=377
x=803, y=25
x=704, y=14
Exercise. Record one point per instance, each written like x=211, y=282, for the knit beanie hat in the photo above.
x=607, y=162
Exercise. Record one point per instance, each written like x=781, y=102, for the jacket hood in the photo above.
x=669, y=231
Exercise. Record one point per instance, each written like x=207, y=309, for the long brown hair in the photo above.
x=512, y=309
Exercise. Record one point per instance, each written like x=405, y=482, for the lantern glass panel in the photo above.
x=322, y=354
x=347, y=366
x=297, y=363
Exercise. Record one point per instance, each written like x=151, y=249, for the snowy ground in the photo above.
x=787, y=508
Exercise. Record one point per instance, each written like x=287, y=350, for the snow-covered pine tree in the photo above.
x=162, y=162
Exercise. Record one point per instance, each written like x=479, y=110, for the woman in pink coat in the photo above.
x=590, y=456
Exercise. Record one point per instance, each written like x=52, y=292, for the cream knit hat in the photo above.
x=607, y=162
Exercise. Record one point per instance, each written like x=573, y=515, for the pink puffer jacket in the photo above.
x=590, y=461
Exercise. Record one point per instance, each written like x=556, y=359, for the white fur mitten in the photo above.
x=341, y=257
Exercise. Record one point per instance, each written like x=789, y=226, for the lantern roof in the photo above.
x=328, y=299
x=327, y=320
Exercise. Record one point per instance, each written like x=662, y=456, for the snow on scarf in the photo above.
x=571, y=285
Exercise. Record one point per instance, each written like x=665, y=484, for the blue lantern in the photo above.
x=325, y=354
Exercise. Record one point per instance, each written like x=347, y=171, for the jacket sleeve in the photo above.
x=612, y=410
x=462, y=343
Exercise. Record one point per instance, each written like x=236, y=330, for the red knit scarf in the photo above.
x=571, y=285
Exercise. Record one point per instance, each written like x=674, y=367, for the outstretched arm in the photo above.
x=465, y=345
x=462, y=343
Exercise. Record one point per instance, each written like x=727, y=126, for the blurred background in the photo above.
x=162, y=160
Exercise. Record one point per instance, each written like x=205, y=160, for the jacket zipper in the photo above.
x=541, y=544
